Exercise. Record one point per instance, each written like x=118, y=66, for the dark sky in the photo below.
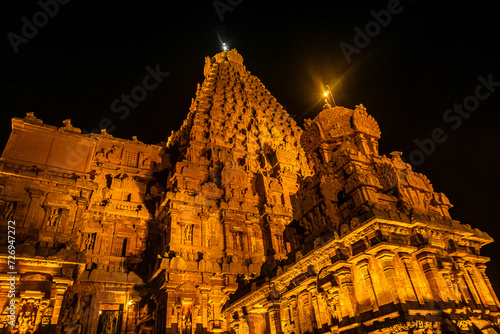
x=428, y=57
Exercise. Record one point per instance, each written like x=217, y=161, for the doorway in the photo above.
x=110, y=320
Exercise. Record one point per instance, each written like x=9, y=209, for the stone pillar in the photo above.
x=479, y=288
x=436, y=282
x=385, y=258
x=273, y=309
x=32, y=220
x=204, y=230
x=170, y=312
x=60, y=287
x=307, y=321
x=316, y=308
x=363, y=268
x=294, y=314
x=446, y=271
x=256, y=321
x=285, y=317
x=467, y=286
x=204, y=310
x=481, y=268
x=81, y=204
x=421, y=292
x=347, y=297
x=464, y=289
x=217, y=306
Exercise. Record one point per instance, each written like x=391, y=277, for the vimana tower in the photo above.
x=242, y=222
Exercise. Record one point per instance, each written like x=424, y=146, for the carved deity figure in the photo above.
x=71, y=317
x=88, y=242
x=145, y=323
x=187, y=324
x=26, y=319
x=188, y=234
x=54, y=217
x=113, y=154
x=239, y=240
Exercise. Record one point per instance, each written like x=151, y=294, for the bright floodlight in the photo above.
x=224, y=46
x=325, y=94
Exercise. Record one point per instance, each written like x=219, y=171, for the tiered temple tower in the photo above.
x=233, y=166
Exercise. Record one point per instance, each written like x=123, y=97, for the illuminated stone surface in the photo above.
x=242, y=222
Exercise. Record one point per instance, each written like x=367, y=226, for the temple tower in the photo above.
x=232, y=168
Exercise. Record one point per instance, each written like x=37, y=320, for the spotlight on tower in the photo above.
x=224, y=47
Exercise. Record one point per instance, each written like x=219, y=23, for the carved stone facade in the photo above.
x=242, y=222
x=78, y=206
x=372, y=248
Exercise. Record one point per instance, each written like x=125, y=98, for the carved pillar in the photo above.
x=217, y=300
x=386, y=260
x=273, y=310
x=347, y=297
x=446, y=271
x=464, y=289
x=436, y=282
x=204, y=229
x=204, y=309
x=363, y=267
x=32, y=220
x=256, y=321
x=335, y=292
x=316, y=307
x=295, y=315
x=467, y=286
x=235, y=326
x=481, y=268
x=420, y=292
x=285, y=317
x=59, y=287
x=81, y=203
x=307, y=322
x=171, y=317
x=477, y=286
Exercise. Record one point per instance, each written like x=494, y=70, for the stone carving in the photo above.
x=8, y=210
x=55, y=216
x=145, y=323
x=26, y=318
x=240, y=197
x=188, y=234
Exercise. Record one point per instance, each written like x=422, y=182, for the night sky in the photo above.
x=424, y=58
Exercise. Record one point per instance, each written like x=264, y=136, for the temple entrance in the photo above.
x=110, y=319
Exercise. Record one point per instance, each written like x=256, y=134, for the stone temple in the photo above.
x=242, y=223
